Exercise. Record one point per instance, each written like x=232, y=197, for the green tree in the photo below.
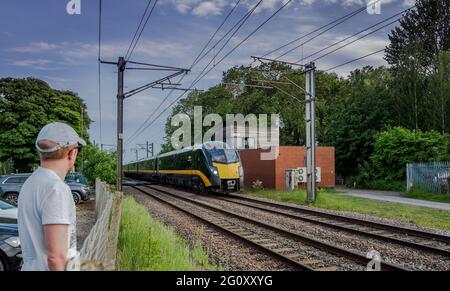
x=26, y=105
x=426, y=26
x=396, y=147
x=94, y=163
x=355, y=117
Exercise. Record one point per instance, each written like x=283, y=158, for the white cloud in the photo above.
x=207, y=8
x=75, y=53
x=35, y=47
x=39, y=64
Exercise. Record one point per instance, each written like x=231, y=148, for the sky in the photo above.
x=41, y=39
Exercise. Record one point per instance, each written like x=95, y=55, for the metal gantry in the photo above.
x=121, y=95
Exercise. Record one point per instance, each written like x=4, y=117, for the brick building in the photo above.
x=272, y=172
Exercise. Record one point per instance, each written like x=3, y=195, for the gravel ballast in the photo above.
x=390, y=252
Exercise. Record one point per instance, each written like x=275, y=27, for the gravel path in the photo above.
x=223, y=250
x=85, y=220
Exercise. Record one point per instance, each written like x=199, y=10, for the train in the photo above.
x=208, y=167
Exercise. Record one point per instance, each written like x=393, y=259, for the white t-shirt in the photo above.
x=44, y=199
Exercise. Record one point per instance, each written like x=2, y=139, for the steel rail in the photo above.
x=286, y=233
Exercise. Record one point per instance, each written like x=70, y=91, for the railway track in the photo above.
x=250, y=231
x=416, y=239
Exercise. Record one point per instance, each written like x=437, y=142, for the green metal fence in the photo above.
x=429, y=177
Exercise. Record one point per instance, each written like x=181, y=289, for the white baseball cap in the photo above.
x=61, y=134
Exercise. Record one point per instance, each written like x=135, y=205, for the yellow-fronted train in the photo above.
x=212, y=166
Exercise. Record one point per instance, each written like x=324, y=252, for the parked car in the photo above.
x=7, y=210
x=10, y=186
x=80, y=192
x=76, y=177
x=10, y=250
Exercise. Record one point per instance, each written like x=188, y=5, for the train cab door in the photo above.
x=198, y=165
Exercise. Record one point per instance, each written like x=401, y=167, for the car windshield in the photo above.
x=5, y=205
x=224, y=156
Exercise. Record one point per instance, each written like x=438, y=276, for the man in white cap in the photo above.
x=46, y=215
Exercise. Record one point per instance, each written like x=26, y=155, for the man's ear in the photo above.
x=73, y=154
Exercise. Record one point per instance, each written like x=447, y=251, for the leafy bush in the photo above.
x=94, y=163
x=396, y=147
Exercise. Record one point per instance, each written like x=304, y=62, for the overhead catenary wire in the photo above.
x=137, y=29
x=141, y=31
x=246, y=17
x=364, y=7
x=354, y=60
x=225, y=56
x=199, y=58
x=319, y=34
x=353, y=35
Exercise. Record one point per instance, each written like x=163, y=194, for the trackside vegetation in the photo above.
x=147, y=245
x=333, y=200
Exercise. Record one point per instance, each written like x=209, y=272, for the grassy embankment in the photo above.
x=333, y=200
x=145, y=244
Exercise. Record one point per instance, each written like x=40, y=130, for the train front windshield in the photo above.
x=224, y=156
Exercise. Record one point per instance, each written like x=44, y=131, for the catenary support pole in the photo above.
x=121, y=69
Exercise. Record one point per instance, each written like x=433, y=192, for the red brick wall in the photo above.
x=294, y=157
x=255, y=169
x=272, y=173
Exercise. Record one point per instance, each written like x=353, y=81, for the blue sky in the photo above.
x=40, y=39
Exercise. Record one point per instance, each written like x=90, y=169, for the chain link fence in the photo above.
x=100, y=247
x=429, y=177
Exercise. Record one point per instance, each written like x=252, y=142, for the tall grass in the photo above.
x=146, y=244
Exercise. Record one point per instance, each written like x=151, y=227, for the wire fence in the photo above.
x=430, y=177
x=100, y=247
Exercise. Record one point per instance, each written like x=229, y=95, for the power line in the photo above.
x=215, y=33
x=199, y=77
x=318, y=29
x=99, y=68
x=142, y=30
x=246, y=17
x=354, y=60
x=321, y=33
x=196, y=61
x=225, y=56
x=137, y=29
x=355, y=34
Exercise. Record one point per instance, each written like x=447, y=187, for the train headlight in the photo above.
x=214, y=170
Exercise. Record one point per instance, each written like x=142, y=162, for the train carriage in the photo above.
x=212, y=166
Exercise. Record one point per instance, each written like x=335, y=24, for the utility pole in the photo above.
x=310, y=119
x=120, y=97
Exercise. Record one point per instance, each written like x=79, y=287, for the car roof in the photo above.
x=17, y=175
x=8, y=228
